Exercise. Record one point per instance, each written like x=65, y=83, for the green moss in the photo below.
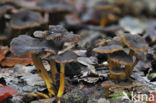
x=75, y=96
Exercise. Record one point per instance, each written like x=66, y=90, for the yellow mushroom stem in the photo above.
x=113, y=65
x=103, y=21
x=128, y=67
x=131, y=53
x=53, y=70
x=62, y=81
x=127, y=70
x=107, y=93
x=43, y=73
x=110, y=62
x=134, y=64
x=38, y=95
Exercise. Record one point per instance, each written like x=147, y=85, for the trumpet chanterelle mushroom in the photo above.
x=121, y=64
x=51, y=41
x=136, y=44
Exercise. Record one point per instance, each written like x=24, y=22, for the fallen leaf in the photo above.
x=3, y=51
x=13, y=60
x=6, y=91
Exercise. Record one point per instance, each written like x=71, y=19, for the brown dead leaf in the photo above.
x=13, y=60
x=3, y=51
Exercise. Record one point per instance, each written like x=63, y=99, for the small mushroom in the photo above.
x=112, y=48
x=25, y=44
x=109, y=47
x=150, y=35
x=106, y=9
x=63, y=58
x=56, y=9
x=136, y=44
x=4, y=25
x=25, y=20
x=107, y=85
x=90, y=17
x=120, y=58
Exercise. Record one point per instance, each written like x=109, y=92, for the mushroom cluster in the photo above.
x=25, y=16
x=49, y=42
x=121, y=63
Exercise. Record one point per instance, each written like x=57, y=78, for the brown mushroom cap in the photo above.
x=57, y=32
x=23, y=44
x=40, y=34
x=2, y=2
x=106, y=6
x=151, y=31
x=3, y=36
x=107, y=84
x=134, y=42
x=140, y=55
x=5, y=8
x=121, y=57
x=27, y=19
x=110, y=47
x=65, y=57
x=117, y=74
x=54, y=6
x=103, y=6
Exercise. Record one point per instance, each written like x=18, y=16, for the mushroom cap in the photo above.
x=103, y=6
x=27, y=19
x=54, y=6
x=3, y=36
x=151, y=31
x=57, y=32
x=65, y=57
x=107, y=84
x=40, y=34
x=2, y=2
x=24, y=44
x=5, y=8
x=121, y=57
x=134, y=42
x=117, y=74
x=110, y=47
x=106, y=6
x=140, y=55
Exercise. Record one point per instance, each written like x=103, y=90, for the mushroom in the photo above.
x=119, y=58
x=25, y=44
x=4, y=28
x=136, y=44
x=58, y=35
x=109, y=47
x=116, y=58
x=50, y=41
x=151, y=32
x=56, y=9
x=25, y=20
x=62, y=59
x=90, y=17
x=107, y=85
x=106, y=9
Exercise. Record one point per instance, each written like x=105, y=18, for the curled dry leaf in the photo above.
x=6, y=91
